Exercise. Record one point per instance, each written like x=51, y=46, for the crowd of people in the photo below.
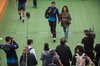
x=62, y=54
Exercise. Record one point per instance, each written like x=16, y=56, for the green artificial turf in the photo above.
x=84, y=14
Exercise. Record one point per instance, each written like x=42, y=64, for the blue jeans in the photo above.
x=35, y=3
x=66, y=29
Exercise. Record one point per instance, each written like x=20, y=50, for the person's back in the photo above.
x=9, y=48
x=88, y=44
x=44, y=54
x=97, y=49
x=10, y=52
x=31, y=60
x=64, y=52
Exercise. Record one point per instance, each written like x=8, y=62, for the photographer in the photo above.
x=9, y=48
x=88, y=42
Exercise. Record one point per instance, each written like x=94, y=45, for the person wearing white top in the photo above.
x=32, y=51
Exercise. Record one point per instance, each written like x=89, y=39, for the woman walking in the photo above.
x=65, y=20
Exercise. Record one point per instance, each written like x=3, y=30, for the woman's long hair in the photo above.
x=46, y=46
x=66, y=9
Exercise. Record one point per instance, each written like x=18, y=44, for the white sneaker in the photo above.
x=0, y=38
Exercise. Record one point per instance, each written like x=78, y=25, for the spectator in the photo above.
x=52, y=11
x=35, y=3
x=88, y=42
x=97, y=50
x=31, y=50
x=80, y=57
x=44, y=54
x=50, y=57
x=55, y=62
x=31, y=60
x=12, y=59
x=64, y=52
x=65, y=18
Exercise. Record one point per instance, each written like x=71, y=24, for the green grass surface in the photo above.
x=84, y=14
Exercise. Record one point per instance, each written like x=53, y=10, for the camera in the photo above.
x=90, y=33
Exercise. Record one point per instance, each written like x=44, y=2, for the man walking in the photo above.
x=21, y=6
x=52, y=11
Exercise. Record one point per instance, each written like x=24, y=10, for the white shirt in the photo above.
x=32, y=51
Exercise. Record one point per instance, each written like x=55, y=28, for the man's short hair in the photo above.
x=7, y=38
x=62, y=41
x=29, y=41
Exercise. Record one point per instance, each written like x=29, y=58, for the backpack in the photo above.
x=79, y=58
x=23, y=63
x=48, y=59
x=47, y=14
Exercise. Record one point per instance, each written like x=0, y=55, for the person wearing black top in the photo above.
x=64, y=52
x=97, y=50
x=31, y=60
x=88, y=42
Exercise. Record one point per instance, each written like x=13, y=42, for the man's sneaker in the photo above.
x=20, y=17
x=33, y=6
x=23, y=21
x=54, y=39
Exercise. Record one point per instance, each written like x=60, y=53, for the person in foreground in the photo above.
x=31, y=50
x=31, y=60
x=64, y=52
x=55, y=62
x=65, y=18
x=45, y=54
x=21, y=6
x=9, y=48
x=80, y=58
x=52, y=11
x=88, y=42
x=97, y=50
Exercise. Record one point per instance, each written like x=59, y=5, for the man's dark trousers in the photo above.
x=35, y=3
x=13, y=64
x=52, y=25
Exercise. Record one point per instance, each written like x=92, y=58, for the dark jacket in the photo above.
x=10, y=52
x=67, y=18
x=31, y=60
x=52, y=12
x=97, y=49
x=64, y=52
x=88, y=44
